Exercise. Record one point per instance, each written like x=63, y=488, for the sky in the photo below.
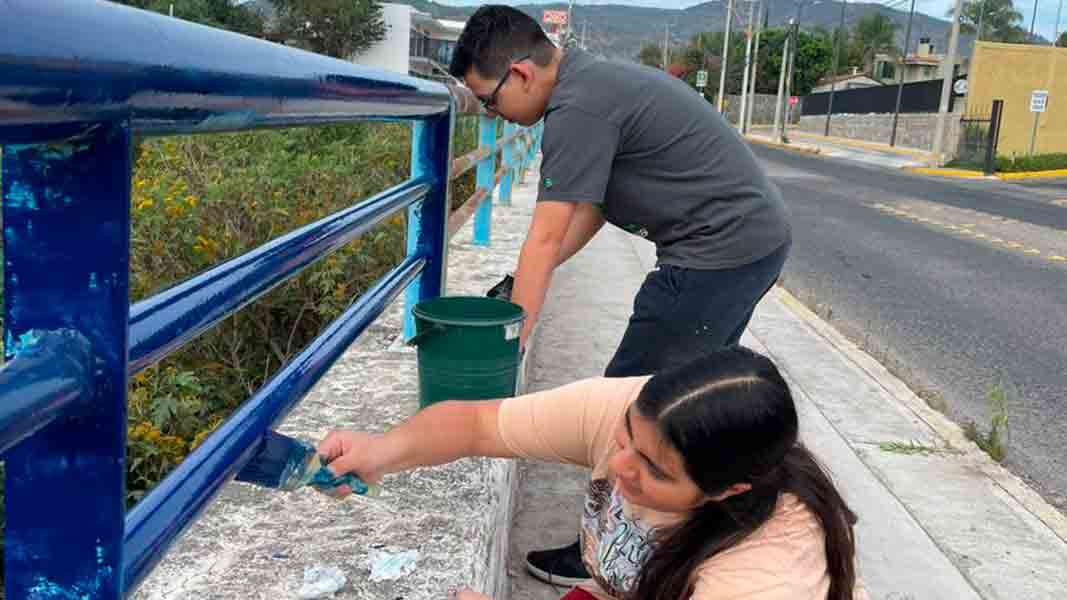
x=1046, y=9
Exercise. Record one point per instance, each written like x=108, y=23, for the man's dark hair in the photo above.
x=494, y=37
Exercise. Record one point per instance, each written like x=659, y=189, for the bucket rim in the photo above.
x=419, y=311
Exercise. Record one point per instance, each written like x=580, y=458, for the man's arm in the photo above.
x=586, y=222
x=539, y=256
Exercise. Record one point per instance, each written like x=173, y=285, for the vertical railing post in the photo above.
x=486, y=180
x=431, y=156
x=992, y=137
x=507, y=159
x=66, y=251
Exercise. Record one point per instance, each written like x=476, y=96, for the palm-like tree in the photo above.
x=874, y=34
x=998, y=18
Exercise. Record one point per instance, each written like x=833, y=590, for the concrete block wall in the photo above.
x=913, y=130
x=764, y=109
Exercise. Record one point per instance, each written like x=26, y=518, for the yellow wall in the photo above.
x=1009, y=72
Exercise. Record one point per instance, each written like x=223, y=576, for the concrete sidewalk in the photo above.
x=848, y=149
x=938, y=518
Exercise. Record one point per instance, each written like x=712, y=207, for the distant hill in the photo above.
x=619, y=31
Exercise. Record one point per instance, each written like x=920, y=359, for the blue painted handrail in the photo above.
x=77, y=81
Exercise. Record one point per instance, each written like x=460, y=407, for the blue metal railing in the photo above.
x=77, y=81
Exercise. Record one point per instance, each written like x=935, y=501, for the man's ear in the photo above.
x=525, y=71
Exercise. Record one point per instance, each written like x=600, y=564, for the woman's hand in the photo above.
x=353, y=452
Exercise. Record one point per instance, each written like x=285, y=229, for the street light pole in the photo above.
x=900, y=77
x=755, y=65
x=837, y=66
x=948, y=67
x=748, y=67
x=781, y=87
x=725, y=53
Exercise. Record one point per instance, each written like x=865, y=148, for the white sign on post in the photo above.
x=1038, y=101
x=702, y=79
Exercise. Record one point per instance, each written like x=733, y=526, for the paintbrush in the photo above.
x=285, y=463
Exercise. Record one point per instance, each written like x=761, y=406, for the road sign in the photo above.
x=793, y=100
x=702, y=79
x=555, y=17
x=1038, y=101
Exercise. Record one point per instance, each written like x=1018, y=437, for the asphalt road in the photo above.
x=957, y=286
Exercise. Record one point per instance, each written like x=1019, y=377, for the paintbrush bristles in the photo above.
x=280, y=462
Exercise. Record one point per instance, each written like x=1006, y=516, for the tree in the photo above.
x=874, y=34
x=1000, y=21
x=223, y=14
x=1062, y=42
x=338, y=28
x=814, y=61
x=651, y=55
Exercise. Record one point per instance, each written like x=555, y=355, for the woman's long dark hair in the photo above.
x=732, y=419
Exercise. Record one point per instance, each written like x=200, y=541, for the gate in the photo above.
x=979, y=135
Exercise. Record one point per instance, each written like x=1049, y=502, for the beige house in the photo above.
x=923, y=65
x=853, y=81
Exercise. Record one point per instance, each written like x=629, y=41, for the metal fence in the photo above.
x=78, y=80
x=979, y=137
x=916, y=97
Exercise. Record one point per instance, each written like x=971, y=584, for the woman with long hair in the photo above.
x=700, y=488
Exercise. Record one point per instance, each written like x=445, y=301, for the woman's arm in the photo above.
x=439, y=434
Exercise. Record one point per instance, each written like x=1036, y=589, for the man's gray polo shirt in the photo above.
x=660, y=162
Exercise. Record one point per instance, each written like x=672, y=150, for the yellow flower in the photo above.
x=146, y=203
x=191, y=201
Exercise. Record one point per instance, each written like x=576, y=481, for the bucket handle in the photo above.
x=432, y=329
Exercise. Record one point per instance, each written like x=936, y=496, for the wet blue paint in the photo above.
x=68, y=358
x=85, y=63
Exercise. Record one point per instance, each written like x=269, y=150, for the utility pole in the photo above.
x=1059, y=13
x=755, y=65
x=666, y=46
x=725, y=54
x=569, y=40
x=900, y=77
x=781, y=87
x=1033, y=21
x=981, y=20
x=585, y=24
x=741, y=117
x=789, y=74
x=948, y=68
x=837, y=67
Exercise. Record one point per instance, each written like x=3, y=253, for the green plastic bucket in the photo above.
x=468, y=348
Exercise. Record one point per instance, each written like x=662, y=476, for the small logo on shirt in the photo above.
x=549, y=183
x=637, y=230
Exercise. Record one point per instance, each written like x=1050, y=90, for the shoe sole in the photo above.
x=551, y=579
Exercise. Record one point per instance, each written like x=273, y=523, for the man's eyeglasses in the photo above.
x=490, y=103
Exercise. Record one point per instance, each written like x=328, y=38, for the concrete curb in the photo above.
x=790, y=147
x=968, y=174
x=953, y=173
x=939, y=423
x=1033, y=174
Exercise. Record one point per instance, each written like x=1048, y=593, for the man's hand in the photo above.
x=539, y=256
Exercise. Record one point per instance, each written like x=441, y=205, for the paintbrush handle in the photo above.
x=323, y=481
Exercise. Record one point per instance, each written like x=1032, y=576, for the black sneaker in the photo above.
x=561, y=566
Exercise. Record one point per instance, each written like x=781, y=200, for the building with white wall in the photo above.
x=415, y=43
